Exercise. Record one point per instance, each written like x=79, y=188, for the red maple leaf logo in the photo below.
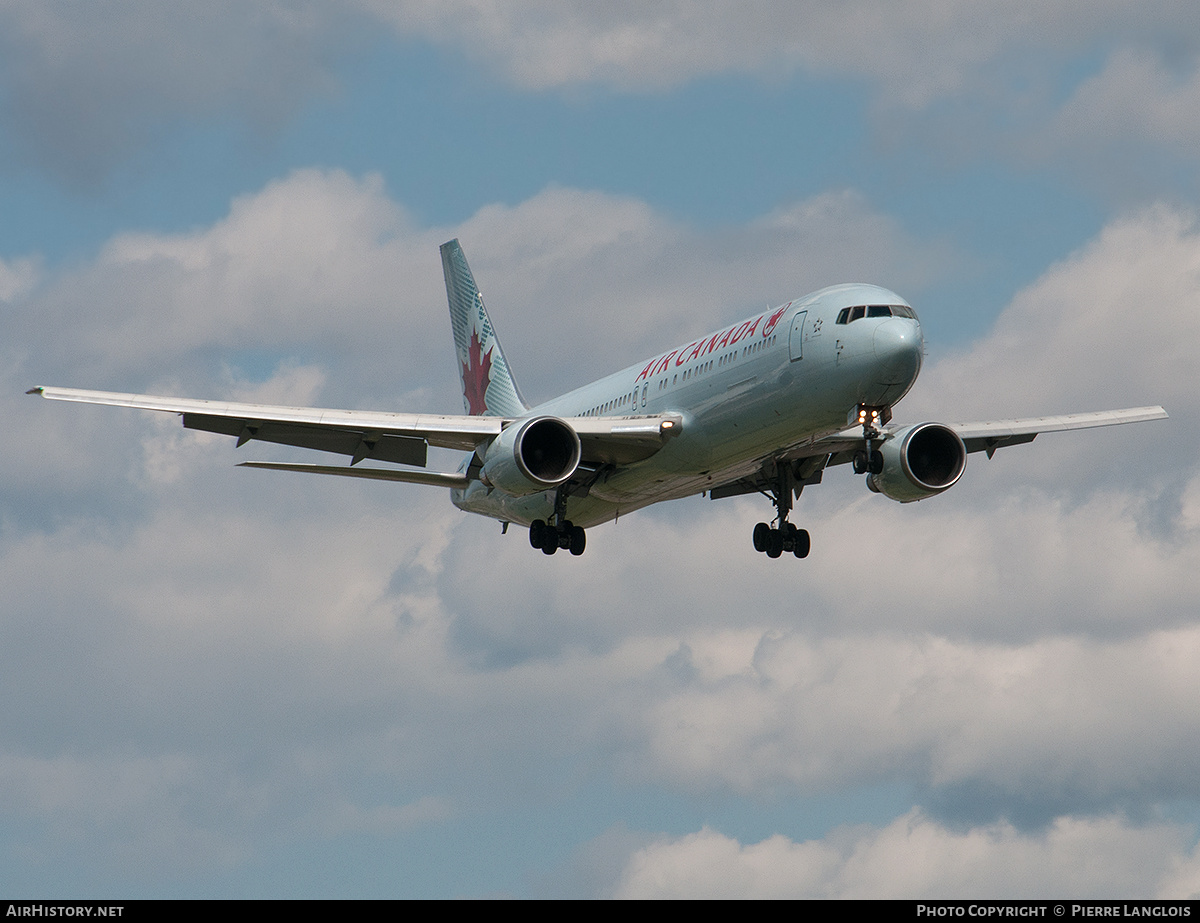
x=774, y=319
x=476, y=376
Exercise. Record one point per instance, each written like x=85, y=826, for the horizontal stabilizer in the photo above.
x=431, y=478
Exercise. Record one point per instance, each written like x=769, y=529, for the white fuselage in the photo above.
x=746, y=393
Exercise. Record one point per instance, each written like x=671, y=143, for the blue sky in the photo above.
x=227, y=683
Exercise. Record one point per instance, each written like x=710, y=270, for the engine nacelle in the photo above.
x=531, y=456
x=918, y=462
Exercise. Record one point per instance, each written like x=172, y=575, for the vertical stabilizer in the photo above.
x=488, y=386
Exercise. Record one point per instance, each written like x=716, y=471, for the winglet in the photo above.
x=37, y=391
x=488, y=385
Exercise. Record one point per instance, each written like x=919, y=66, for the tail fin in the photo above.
x=488, y=386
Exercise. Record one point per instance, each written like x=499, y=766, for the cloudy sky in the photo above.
x=222, y=682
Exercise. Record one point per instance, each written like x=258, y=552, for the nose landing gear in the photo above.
x=869, y=461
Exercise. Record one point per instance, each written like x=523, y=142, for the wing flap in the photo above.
x=359, y=444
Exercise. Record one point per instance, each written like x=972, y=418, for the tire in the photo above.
x=550, y=547
x=876, y=463
x=537, y=529
x=803, y=544
x=578, y=540
x=860, y=462
x=775, y=548
x=762, y=537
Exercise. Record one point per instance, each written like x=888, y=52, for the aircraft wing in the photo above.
x=987, y=436
x=810, y=460
x=402, y=438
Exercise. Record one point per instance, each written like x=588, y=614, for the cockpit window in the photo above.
x=850, y=315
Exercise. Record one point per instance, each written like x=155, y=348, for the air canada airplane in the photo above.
x=764, y=405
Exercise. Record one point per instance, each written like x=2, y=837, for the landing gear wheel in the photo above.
x=783, y=484
x=559, y=532
x=868, y=463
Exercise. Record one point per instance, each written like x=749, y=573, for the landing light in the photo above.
x=863, y=413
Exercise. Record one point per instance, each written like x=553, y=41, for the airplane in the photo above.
x=764, y=405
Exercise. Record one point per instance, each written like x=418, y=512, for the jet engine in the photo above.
x=531, y=456
x=918, y=462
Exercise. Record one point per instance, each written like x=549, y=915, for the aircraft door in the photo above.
x=796, y=340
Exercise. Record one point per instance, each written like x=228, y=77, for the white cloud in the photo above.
x=1048, y=595
x=915, y=857
x=318, y=262
x=1108, y=327
x=369, y=653
x=18, y=278
x=1060, y=723
x=1135, y=100
x=916, y=52
x=85, y=91
x=138, y=806
x=85, y=88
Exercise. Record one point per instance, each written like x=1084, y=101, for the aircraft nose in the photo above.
x=898, y=349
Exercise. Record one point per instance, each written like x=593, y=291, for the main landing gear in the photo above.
x=560, y=532
x=550, y=537
x=785, y=538
x=775, y=540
